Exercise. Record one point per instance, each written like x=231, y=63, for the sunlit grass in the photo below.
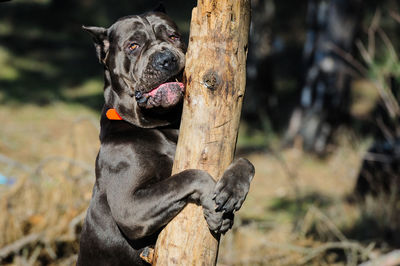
x=91, y=87
x=8, y=71
x=5, y=28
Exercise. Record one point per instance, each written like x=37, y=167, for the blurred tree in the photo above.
x=379, y=174
x=259, y=88
x=325, y=97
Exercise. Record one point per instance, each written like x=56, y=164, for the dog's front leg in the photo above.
x=141, y=209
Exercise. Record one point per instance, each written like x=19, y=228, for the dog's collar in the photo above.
x=112, y=114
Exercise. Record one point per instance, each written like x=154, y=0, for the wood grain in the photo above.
x=215, y=77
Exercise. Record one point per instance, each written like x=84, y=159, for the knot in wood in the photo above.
x=211, y=80
x=204, y=155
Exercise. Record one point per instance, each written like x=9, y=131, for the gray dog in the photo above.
x=135, y=196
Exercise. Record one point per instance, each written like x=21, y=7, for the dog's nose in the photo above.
x=165, y=61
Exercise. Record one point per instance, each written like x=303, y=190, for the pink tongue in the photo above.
x=165, y=86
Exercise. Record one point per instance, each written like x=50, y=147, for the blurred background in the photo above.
x=320, y=122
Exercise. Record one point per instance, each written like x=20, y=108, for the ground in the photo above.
x=297, y=211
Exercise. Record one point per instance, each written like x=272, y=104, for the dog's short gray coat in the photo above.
x=134, y=195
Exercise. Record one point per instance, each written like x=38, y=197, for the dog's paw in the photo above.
x=231, y=190
x=218, y=222
x=204, y=187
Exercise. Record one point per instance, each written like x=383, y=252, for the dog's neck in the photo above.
x=118, y=96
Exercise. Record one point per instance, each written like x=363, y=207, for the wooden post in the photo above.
x=215, y=76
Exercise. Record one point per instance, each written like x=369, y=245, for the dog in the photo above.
x=134, y=195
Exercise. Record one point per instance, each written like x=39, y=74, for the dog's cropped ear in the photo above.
x=101, y=42
x=160, y=8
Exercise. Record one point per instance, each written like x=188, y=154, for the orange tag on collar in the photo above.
x=113, y=115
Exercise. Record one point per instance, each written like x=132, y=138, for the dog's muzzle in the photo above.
x=165, y=61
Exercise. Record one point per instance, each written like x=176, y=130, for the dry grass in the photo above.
x=55, y=148
x=296, y=213
x=285, y=220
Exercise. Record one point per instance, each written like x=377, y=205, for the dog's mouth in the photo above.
x=165, y=95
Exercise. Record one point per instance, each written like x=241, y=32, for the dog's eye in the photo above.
x=133, y=46
x=174, y=37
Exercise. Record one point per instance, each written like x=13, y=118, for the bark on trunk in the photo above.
x=215, y=81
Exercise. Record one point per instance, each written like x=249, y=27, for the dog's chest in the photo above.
x=167, y=143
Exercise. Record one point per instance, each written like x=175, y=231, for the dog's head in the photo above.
x=144, y=58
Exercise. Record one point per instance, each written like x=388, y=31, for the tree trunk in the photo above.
x=215, y=76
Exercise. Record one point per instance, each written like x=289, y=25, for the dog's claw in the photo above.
x=218, y=208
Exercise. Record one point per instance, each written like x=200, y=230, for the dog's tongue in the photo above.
x=166, y=94
x=168, y=87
